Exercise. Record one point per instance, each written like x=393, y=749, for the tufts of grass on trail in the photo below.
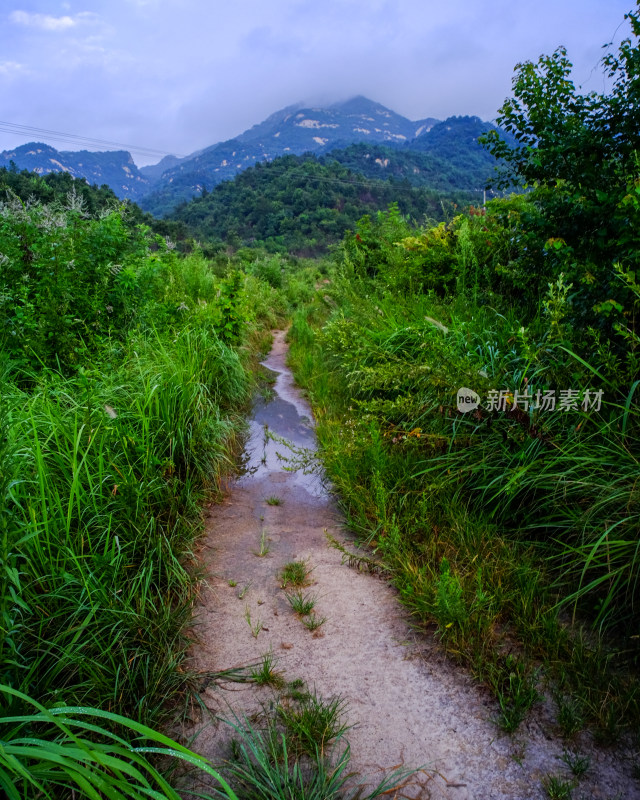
x=297, y=748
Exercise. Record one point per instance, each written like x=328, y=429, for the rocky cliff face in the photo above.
x=115, y=168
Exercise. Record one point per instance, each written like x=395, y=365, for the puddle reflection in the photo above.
x=287, y=416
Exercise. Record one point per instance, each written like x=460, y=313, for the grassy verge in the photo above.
x=498, y=528
x=104, y=476
x=124, y=379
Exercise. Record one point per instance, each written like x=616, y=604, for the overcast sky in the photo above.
x=179, y=75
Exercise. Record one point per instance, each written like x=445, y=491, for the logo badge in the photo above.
x=468, y=400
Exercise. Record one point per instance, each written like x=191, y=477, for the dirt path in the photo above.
x=408, y=703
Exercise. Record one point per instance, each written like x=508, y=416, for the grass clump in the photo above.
x=265, y=545
x=294, y=573
x=242, y=592
x=578, y=764
x=302, y=603
x=515, y=689
x=267, y=674
x=568, y=714
x=273, y=500
x=313, y=723
x=255, y=626
x=312, y=622
x=558, y=788
x=299, y=752
x=264, y=766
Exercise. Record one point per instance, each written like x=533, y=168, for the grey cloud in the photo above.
x=179, y=75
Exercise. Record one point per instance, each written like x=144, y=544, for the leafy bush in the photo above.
x=579, y=152
x=67, y=282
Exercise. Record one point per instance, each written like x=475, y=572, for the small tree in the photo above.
x=579, y=152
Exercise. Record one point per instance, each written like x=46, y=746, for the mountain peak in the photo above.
x=294, y=130
x=359, y=105
x=113, y=167
x=30, y=149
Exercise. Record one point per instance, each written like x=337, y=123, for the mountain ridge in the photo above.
x=293, y=130
x=116, y=168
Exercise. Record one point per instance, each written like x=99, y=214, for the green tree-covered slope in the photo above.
x=55, y=186
x=300, y=205
x=447, y=157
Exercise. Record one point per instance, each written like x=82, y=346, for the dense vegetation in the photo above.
x=113, y=168
x=55, y=186
x=123, y=379
x=295, y=204
x=513, y=528
x=510, y=528
x=463, y=170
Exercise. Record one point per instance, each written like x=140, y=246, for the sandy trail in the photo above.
x=408, y=704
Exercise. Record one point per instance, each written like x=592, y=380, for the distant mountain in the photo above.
x=114, y=168
x=455, y=141
x=427, y=152
x=445, y=139
x=291, y=131
x=444, y=156
x=153, y=172
x=311, y=129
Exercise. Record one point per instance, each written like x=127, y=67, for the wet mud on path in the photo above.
x=409, y=705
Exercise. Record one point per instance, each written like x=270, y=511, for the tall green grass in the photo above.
x=103, y=480
x=68, y=752
x=124, y=377
x=512, y=533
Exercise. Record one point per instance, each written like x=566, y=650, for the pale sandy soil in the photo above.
x=407, y=702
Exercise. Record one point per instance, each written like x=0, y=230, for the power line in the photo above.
x=72, y=138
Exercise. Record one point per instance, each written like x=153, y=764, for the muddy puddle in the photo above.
x=280, y=434
x=407, y=703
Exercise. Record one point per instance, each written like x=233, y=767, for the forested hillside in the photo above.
x=447, y=158
x=296, y=204
x=54, y=186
